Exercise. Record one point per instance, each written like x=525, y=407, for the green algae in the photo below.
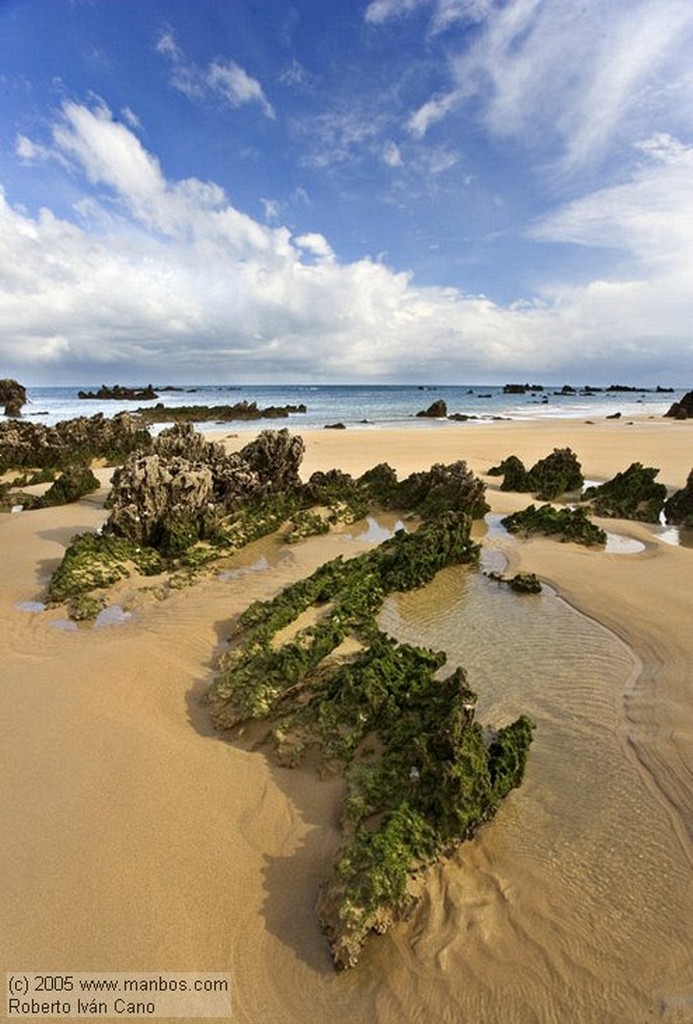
x=632, y=494
x=566, y=524
x=557, y=473
x=434, y=780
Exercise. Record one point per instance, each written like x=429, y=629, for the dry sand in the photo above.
x=134, y=838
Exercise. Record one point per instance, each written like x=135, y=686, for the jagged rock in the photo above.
x=436, y=410
x=275, y=456
x=683, y=409
x=521, y=389
x=548, y=478
x=679, y=507
x=119, y=393
x=442, y=488
x=149, y=490
x=335, y=426
x=12, y=396
x=632, y=494
x=180, y=492
x=70, y=442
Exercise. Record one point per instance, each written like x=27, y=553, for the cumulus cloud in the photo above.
x=167, y=277
x=223, y=78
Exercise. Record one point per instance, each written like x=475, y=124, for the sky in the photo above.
x=372, y=191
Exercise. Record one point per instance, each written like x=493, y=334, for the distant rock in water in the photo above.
x=436, y=410
x=335, y=426
x=521, y=389
x=120, y=394
x=683, y=409
x=679, y=507
x=161, y=413
x=12, y=396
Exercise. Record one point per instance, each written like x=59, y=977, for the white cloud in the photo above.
x=271, y=208
x=573, y=78
x=163, y=277
x=224, y=78
x=392, y=155
x=236, y=85
x=379, y=11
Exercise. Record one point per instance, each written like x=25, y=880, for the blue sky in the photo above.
x=346, y=190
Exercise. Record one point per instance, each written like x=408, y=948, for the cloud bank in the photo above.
x=154, y=278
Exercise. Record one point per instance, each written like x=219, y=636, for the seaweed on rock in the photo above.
x=568, y=524
x=434, y=781
x=679, y=507
x=632, y=494
x=556, y=474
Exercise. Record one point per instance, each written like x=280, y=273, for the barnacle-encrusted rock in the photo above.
x=71, y=442
x=12, y=396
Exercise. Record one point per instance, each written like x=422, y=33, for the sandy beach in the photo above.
x=134, y=837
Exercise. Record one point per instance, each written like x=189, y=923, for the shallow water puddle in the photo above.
x=376, y=530
x=619, y=544
x=236, y=574
x=31, y=606
x=114, y=615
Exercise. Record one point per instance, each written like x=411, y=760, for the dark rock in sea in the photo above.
x=679, y=507
x=632, y=494
x=12, y=396
x=683, y=409
x=551, y=476
x=161, y=413
x=436, y=410
x=335, y=426
x=614, y=416
x=460, y=417
x=521, y=389
x=70, y=442
x=119, y=393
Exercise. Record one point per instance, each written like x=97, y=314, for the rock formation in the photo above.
x=550, y=477
x=679, y=507
x=436, y=410
x=683, y=409
x=632, y=494
x=12, y=396
x=118, y=393
x=71, y=442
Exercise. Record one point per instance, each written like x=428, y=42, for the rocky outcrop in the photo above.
x=71, y=442
x=241, y=411
x=550, y=477
x=436, y=410
x=683, y=409
x=12, y=396
x=632, y=494
x=521, y=389
x=678, y=508
x=118, y=393
x=564, y=524
x=181, y=490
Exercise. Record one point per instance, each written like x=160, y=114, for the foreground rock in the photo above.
x=12, y=396
x=678, y=508
x=565, y=524
x=420, y=777
x=632, y=494
x=76, y=441
x=558, y=473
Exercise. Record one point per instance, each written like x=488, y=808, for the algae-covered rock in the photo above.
x=632, y=494
x=548, y=478
x=679, y=507
x=440, y=488
x=434, y=779
x=71, y=442
x=565, y=523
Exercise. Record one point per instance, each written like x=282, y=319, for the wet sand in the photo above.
x=135, y=838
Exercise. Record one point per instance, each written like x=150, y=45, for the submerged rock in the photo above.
x=120, y=394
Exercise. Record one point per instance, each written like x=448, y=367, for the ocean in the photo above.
x=365, y=406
